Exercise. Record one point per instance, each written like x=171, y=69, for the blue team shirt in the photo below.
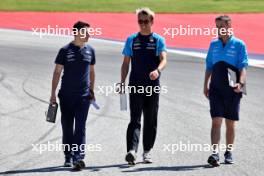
x=234, y=53
x=76, y=74
x=144, y=51
x=220, y=58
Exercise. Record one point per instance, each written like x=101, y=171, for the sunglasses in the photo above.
x=143, y=21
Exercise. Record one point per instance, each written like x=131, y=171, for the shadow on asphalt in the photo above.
x=171, y=168
x=44, y=169
x=98, y=168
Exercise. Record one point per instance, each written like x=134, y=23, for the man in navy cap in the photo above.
x=77, y=60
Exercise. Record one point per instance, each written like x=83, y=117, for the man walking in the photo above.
x=77, y=60
x=225, y=53
x=147, y=53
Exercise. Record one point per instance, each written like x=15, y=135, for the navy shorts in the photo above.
x=224, y=106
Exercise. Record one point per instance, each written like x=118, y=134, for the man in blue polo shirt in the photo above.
x=147, y=53
x=77, y=61
x=226, y=52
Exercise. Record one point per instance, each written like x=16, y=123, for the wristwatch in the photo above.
x=159, y=71
x=241, y=84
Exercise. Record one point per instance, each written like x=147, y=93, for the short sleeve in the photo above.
x=209, y=59
x=127, y=51
x=243, y=57
x=60, y=59
x=93, y=61
x=161, y=46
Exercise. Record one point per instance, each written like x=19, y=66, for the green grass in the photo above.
x=162, y=6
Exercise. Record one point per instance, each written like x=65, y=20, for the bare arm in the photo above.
x=124, y=72
x=55, y=81
x=243, y=73
x=242, y=80
x=92, y=77
x=163, y=61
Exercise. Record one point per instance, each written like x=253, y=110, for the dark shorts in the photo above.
x=224, y=106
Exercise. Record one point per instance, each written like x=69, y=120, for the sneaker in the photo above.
x=147, y=157
x=131, y=157
x=213, y=160
x=78, y=165
x=68, y=162
x=228, y=158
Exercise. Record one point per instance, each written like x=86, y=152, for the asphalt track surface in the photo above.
x=26, y=66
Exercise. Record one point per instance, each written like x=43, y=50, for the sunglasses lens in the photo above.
x=143, y=21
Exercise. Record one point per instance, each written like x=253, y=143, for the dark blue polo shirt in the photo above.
x=76, y=74
x=144, y=51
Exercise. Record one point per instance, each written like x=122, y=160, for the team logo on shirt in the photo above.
x=70, y=58
x=151, y=46
x=87, y=56
x=231, y=53
x=216, y=49
x=151, y=39
x=137, y=44
x=137, y=40
x=70, y=55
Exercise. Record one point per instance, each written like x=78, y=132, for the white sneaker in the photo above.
x=131, y=157
x=147, y=157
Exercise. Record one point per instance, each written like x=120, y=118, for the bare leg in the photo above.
x=230, y=133
x=216, y=133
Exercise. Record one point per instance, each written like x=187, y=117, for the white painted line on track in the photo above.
x=252, y=62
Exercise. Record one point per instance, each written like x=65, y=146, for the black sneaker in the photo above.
x=213, y=160
x=228, y=158
x=78, y=165
x=131, y=157
x=68, y=162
